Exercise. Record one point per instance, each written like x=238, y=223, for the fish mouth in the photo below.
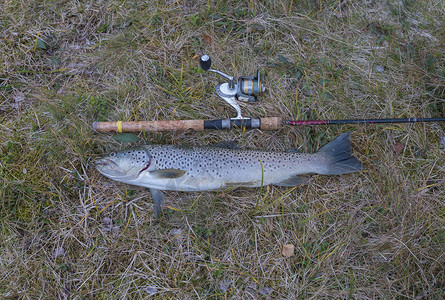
x=107, y=166
x=110, y=169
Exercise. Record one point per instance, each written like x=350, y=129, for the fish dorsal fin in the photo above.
x=293, y=150
x=292, y=181
x=168, y=173
x=225, y=145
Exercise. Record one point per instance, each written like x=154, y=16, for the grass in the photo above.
x=68, y=232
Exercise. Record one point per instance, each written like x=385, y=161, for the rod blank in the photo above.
x=364, y=121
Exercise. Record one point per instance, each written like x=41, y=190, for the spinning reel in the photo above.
x=246, y=88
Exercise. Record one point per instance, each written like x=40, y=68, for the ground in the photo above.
x=68, y=232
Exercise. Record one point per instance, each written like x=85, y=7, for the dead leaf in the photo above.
x=18, y=97
x=207, y=38
x=257, y=27
x=397, y=147
x=265, y=291
x=107, y=224
x=59, y=251
x=224, y=285
x=288, y=250
x=151, y=290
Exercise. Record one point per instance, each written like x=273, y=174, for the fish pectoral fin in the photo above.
x=292, y=181
x=158, y=201
x=239, y=184
x=167, y=173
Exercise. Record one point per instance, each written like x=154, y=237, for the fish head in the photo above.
x=124, y=165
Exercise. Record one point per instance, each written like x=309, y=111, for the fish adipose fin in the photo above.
x=168, y=173
x=339, y=157
x=158, y=200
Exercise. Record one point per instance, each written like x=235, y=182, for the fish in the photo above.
x=179, y=168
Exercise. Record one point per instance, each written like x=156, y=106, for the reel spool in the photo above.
x=246, y=88
x=249, y=88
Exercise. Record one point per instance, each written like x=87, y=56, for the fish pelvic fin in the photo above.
x=339, y=158
x=158, y=201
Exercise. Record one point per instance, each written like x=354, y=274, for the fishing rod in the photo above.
x=268, y=123
x=246, y=89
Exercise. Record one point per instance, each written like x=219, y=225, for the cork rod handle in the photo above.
x=148, y=126
x=269, y=123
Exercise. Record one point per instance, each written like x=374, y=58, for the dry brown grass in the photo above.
x=68, y=232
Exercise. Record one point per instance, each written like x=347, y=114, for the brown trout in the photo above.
x=176, y=168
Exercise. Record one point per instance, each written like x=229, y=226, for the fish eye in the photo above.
x=112, y=154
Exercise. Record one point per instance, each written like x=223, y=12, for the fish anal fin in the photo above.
x=168, y=173
x=293, y=181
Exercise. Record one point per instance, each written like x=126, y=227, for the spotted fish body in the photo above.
x=168, y=167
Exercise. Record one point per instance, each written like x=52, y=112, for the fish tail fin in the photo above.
x=339, y=157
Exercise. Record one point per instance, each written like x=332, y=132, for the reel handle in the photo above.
x=205, y=62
